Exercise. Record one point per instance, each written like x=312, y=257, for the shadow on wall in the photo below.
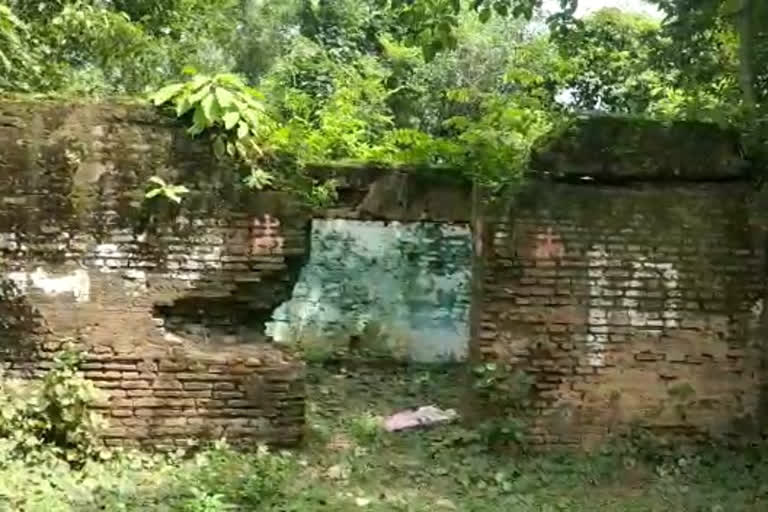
x=19, y=321
x=397, y=289
x=234, y=313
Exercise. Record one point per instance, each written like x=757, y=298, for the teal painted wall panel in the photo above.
x=400, y=288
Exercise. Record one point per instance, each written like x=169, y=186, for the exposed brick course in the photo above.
x=638, y=304
x=167, y=301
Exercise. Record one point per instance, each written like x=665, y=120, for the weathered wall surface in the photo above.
x=399, y=289
x=641, y=300
x=162, y=397
x=143, y=287
x=172, y=302
x=640, y=303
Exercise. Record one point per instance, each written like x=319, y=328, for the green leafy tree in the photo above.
x=612, y=62
x=687, y=20
x=16, y=59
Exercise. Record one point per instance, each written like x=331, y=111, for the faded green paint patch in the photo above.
x=398, y=289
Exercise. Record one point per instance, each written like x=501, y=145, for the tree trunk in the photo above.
x=746, y=28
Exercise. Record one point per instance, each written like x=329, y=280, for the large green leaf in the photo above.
x=231, y=119
x=208, y=107
x=225, y=98
x=242, y=130
x=166, y=93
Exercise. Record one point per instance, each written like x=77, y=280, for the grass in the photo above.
x=350, y=464
x=450, y=468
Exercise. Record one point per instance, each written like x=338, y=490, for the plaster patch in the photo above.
x=78, y=283
x=403, y=287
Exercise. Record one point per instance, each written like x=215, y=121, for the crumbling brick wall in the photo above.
x=167, y=301
x=635, y=302
x=164, y=396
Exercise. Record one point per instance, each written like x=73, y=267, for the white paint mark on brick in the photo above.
x=104, y=253
x=597, y=315
x=188, y=266
x=170, y=337
x=644, y=269
x=78, y=283
x=8, y=241
x=135, y=280
x=20, y=279
x=600, y=287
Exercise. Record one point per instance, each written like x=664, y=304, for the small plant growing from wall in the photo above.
x=167, y=190
x=682, y=397
x=18, y=319
x=52, y=413
x=231, y=112
x=503, y=386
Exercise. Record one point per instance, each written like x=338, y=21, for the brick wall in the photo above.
x=169, y=302
x=640, y=303
x=163, y=397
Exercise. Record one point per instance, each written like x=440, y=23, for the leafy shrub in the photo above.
x=502, y=386
x=245, y=478
x=52, y=413
x=365, y=428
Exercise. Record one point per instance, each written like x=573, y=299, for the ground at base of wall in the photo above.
x=350, y=464
x=450, y=467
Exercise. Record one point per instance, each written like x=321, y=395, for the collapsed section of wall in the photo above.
x=640, y=303
x=146, y=286
x=167, y=301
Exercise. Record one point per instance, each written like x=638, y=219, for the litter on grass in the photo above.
x=422, y=417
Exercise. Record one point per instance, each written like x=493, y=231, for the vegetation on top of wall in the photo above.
x=624, y=148
x=465, y=87
x=276, y=150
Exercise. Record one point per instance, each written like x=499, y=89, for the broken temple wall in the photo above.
x=177, y=306
x=636, y=297
x=637, y=300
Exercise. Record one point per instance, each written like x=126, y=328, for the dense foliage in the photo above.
x=462, y=85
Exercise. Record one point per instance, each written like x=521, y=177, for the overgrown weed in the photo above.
x=351, y=463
